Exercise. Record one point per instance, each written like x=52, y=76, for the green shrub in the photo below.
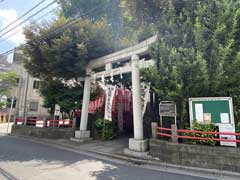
x=238, y=131
x=105, y=129
x=238, y=127
x=202, y=127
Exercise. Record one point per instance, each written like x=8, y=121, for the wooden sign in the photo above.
x=167, y=108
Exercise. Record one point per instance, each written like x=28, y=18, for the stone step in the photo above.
x=78, y=140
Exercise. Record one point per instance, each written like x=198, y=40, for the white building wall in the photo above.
x=25, y=93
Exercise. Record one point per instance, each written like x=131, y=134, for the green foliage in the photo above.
x=105, y=129
x=238, y=127
x=1, y=105
x=197, y=53
x=198, y=49
x=204, y=128
x=67, y=97
x=109, y=10
x=238, y=131
x=64, y=54
x=7, y=81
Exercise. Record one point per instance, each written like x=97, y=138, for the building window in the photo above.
x=33, y=106
x=9, y=102
x=36, y=84
x=17, y=81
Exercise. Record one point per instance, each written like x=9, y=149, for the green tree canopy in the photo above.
x=7, y=81
x=197, y=52
x=56, y=92
x=68, y=97
x=64, y=54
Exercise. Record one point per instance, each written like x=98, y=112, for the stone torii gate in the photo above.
x=131, y=57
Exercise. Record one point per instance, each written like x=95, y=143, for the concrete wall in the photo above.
x=223, y=158
x=49, y=133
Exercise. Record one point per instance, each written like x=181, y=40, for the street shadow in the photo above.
x=47, y=158
x=138, y=173
x=16, y=149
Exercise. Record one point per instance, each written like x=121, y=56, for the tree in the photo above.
x=56, y=92
x=7, y=81
x=62, y=56
x=109, y=10
x=68, y=97
x=230, y=79
x=65, y=54
x=198, y=46
x=197, y=53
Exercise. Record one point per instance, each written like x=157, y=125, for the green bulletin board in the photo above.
x=215, y=110
x=214, y=107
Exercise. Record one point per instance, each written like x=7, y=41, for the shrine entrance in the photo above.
x=126, y=61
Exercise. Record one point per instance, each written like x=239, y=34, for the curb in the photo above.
x=194, y=171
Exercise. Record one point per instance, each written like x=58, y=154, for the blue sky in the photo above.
x=11, y=10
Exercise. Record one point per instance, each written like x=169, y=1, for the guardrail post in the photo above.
x=44, y=122
x=174, y=133
x=74, y=122
x=154, y=130
x=25, y=121
x=14, y=120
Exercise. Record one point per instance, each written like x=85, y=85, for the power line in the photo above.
x=26, y=13
x=61, y=27
x=44, y=15
x=28, y=18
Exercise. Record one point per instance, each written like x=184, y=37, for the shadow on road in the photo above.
x=23, y=158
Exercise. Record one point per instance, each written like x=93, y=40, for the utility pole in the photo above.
x=10, y=113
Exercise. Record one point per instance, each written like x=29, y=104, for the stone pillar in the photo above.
x=84, y=133
x=154, y=130
x=25, y=120
x=120, y=108
x=86, y=97
x=137, y=143
x=74, y=121
x=137, y=105
x=174, y=133
x=44, y=122
x=14, y=120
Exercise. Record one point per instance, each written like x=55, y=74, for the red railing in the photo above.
x=19, y=120
x=31, y=122
x=159, y=129
x=160, y=133
x=206, y=132
x=59, y=123
x=41, y=123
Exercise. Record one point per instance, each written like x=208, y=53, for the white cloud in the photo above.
x=6, y=17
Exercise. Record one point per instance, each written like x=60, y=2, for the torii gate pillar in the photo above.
x=83, y=134
x=137, y=143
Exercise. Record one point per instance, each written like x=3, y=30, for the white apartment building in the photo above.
x=28, y=101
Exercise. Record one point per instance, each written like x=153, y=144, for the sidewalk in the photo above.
x=114, y=150
x=3, y=127
x=113, y=147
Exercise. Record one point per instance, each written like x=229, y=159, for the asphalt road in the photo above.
x=21, y=159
